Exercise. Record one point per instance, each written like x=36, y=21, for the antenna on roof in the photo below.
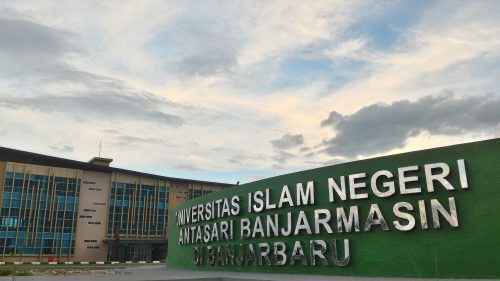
x=100, y=147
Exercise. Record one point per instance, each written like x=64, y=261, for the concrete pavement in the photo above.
x=160, y=272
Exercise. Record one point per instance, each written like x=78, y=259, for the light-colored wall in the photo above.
x=36, y=258
x=178, y=193
x=2, y=179
x=42, y=170
x=132, y=178
x=86, y=231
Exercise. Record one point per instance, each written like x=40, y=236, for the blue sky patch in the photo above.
x=388, y=22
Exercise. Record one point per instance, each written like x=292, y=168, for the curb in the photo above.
x=79, y=262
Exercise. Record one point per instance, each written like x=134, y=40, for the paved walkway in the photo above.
x=160, y=272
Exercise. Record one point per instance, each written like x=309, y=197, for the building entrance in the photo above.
x=136, y=250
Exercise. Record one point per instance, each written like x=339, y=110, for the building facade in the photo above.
x=55, y=209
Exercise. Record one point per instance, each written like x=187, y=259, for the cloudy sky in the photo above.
x=241, y=90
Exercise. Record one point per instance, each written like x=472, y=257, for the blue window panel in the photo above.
x=46, y=251
x=8, y=188
x=66, y=243
x=15, y=203
x=8, y=182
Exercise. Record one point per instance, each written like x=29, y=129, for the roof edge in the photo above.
x=21, y=156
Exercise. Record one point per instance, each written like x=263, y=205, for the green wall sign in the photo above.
x=431, y=213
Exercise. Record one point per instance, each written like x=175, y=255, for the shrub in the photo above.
x=23, y=273
x=6, y=272
x=10, y=272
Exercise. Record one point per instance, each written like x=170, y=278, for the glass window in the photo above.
x=18, y=211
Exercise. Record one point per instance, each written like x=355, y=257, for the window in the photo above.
x=147, y=204
x=55, y=214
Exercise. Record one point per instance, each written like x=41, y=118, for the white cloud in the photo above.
x=277, y=28
x=229, y=53
x=422, y=63
x=348, y=49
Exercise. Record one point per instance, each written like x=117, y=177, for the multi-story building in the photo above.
x=64, y=210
